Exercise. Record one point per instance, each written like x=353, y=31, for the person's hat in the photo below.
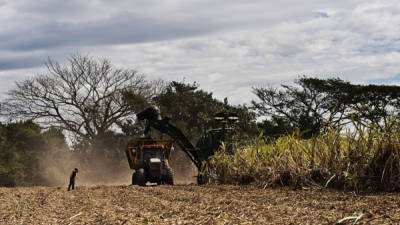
x=76, y=169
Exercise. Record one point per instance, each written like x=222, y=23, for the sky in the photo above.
x=226, y=46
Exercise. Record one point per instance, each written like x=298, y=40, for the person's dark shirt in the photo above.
x=73, y=174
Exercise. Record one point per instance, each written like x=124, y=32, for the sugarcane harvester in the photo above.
x=205, y=147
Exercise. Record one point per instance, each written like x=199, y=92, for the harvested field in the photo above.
x=193, y=205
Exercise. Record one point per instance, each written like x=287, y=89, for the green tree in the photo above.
x=25, y=137
x=11, y=169
x=192, y=110
x=299, y=107
x=311, y=104
x=22, y=145
x=367, y=104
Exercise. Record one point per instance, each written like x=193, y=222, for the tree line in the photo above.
x=93, y=103
x=22, y=144
x=312, y=104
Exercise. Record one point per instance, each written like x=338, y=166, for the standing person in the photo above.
x=72, y=179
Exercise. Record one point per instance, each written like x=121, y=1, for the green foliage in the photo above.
x=192, y=110
x=363, y=160
x=370, y=104
x=275, y=127
x=301, y=108
x=11, y=168
x=314, y=104
x=247, y=126
x=22, y=144
x=188, y=107
x=135, y=100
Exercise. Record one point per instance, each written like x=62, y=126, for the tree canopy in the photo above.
x=22, y=145
x=192, y=109
x=311, y=104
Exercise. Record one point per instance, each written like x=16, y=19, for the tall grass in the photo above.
x=364, y=159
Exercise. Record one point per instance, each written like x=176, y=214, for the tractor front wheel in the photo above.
x=139, y=177
x=202, y=178
x=169, y=178
x=134, y=178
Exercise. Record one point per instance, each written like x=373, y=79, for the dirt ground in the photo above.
x=191, y=204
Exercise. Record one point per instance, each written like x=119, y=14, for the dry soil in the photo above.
x=191, y=204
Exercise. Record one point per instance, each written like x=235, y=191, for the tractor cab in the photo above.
x=153, y=151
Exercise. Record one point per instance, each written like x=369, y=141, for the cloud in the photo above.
x=47, y=24
x=226, y=46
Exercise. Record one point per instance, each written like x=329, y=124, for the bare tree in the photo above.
x=84, y=96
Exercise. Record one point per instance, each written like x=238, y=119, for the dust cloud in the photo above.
x=57, y=165
x=98, y=169
x=185, y=171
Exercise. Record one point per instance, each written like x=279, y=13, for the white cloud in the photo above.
x=216, y=77
x=226, y=46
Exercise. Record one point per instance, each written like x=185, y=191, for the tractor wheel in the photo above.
x=140, y=177
x=134, y=179
x=203, y=174
x=169, y=178
x=202, y=179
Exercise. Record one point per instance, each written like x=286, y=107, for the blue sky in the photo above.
x=225, y=46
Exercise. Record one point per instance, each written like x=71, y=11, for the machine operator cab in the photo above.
x=153, y=154
x=139, y=152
